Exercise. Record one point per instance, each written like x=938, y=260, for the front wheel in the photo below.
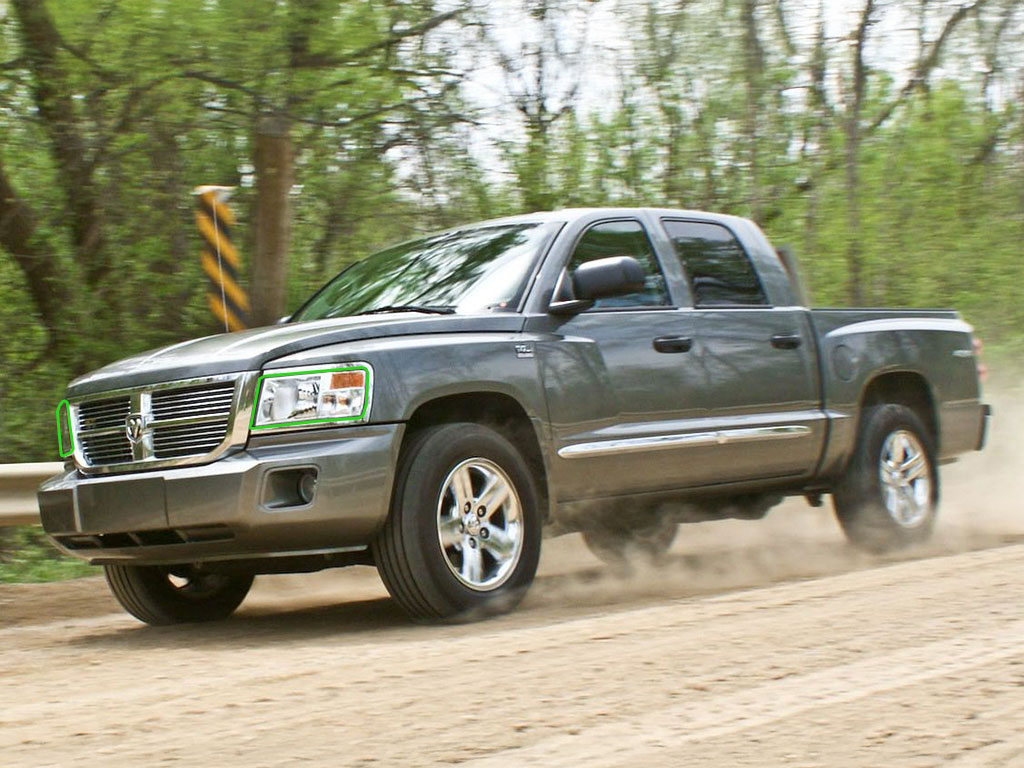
x=463, y=536
x=888, y=497
x=159, y=594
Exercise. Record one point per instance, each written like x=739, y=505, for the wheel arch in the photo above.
x=497, y=410
x=906, y=388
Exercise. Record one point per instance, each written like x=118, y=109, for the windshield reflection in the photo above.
x=472, y=270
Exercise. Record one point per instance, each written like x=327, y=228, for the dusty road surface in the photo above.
x=757, y=643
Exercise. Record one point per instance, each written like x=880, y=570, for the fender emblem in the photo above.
x=524, y=350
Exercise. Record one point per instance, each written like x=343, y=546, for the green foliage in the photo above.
x=166, y=96
x=27, y=556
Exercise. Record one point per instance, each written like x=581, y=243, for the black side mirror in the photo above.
x=604, y=278
x=600, y=279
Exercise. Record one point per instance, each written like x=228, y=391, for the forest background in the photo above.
x=881, y=140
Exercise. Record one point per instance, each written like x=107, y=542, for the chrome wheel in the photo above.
x=479, y=524
x=462, y=539
x=906, y=479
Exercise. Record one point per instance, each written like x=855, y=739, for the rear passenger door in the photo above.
x=759, y=363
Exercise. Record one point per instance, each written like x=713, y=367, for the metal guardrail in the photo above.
x=18, y=484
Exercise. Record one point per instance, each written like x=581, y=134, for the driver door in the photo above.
x=618, y=377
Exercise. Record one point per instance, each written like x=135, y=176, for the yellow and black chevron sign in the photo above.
x=219, y=258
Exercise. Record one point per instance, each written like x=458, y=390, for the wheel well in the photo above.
x=908, y=389
x=501, y=412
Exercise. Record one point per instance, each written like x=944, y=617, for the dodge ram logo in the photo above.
x=134, y=424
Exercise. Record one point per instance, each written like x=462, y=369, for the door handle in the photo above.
x=784, y=341
x=673, y=344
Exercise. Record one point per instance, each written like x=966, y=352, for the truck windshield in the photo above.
x=472, y=270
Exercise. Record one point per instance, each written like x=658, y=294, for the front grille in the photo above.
x=110, y=448
x=169, y=422
x=209, y=400
x=211, y=403
x=99, y=414
x=188, y=440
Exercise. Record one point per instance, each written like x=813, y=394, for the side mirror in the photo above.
x=600, y=279
x=604, y=278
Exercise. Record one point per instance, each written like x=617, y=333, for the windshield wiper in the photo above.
x=428, y=310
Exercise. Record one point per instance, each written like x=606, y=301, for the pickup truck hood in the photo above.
x=250, y=350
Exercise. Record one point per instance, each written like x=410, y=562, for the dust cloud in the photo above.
x=982, y=507
x=983, y=493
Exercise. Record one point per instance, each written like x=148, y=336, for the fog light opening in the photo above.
x=307, y=486
x=292, y=487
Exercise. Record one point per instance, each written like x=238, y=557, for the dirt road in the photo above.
x=766, y=643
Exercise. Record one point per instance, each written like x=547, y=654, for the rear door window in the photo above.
x=719, y=271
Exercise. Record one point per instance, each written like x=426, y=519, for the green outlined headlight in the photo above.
x=295, y=398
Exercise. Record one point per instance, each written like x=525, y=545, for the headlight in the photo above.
x=296, y=398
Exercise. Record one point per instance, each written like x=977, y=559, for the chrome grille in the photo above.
x=109, y=448
x=98, y=414
x=212, y=400
x=175, y=423
x=188, y=439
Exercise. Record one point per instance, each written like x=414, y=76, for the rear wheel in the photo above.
x=463, y=536
x=176, y=594
x=888, y=497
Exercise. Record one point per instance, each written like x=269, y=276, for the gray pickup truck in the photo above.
x=437, y=406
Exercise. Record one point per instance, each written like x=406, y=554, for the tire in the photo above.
x=620, y=546
x=162, y=595
x=888, y=497
x=441, y=561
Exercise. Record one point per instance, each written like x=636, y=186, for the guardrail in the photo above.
x=18, y=483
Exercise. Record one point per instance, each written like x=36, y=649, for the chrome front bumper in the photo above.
x=239, y=507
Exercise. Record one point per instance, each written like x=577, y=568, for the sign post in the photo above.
x=228, y=302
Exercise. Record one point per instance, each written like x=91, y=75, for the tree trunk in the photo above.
x=1020, y=158
x=854, y=253
x=52, y=95
x=673, y=182
x=533, y=177
x=753, y=59
x=18, y=237
x=165, y=157
x=815, y=134
x=274, y=163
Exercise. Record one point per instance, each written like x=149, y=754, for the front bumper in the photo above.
x=233, y=508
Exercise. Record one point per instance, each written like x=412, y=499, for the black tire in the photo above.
x=619, y=546
x=161, y=595
x=879, y=508
x=432, y=581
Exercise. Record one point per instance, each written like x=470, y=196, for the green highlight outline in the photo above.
x=71, y=432
x=259, y=390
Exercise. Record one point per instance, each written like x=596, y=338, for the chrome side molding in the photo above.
x=688, y=440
